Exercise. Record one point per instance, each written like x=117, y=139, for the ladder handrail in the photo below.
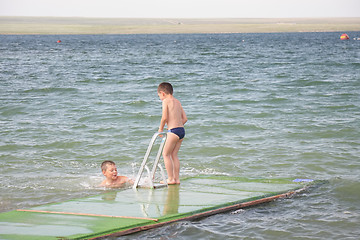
x=156, y=162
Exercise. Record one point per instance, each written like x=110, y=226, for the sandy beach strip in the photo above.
x=59, y=26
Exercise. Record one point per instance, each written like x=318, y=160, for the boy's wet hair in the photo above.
x=104, y=165
x=166, y=88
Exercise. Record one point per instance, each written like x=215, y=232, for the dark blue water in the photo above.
x=259, y=105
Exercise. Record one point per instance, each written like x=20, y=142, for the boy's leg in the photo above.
x=169, y=147
x=176, y=162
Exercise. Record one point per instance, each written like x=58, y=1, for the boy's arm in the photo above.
x=183, y=116
x=164, y=116
x=130, y=181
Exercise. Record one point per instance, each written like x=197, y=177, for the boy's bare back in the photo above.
x=174, y=112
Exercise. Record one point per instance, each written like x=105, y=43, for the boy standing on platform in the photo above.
x=173, y=115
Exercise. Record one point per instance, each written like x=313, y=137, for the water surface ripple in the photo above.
x=259, y=105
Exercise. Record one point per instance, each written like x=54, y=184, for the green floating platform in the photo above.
x=127, y=211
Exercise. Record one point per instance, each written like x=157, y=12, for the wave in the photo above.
x=51, y=90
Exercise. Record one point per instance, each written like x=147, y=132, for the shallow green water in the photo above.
x=259, y=105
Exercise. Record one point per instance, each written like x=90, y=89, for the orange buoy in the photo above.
x=344, y=37
x=58, y=41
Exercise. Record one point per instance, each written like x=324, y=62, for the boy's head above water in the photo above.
x=105, y=165
x=109, y=170
x=112, y=179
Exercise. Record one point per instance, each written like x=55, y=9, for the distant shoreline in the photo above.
x=64, y=26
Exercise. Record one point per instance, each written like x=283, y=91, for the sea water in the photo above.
x=259, y=105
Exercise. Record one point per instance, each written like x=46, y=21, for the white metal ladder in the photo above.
x=156, y=163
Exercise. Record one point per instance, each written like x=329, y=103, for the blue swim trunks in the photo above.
x=179, y=131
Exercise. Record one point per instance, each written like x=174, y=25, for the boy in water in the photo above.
x=112, y=180
x=173, y=115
